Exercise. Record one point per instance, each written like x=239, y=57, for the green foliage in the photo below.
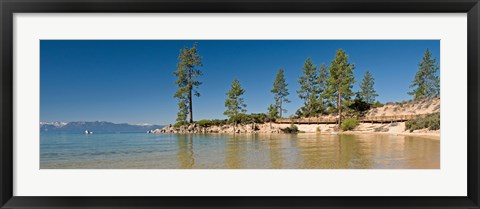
x=368, y=92
x=187, y=81
x=182, y=111
x=377, y=104
x=309, y=88
x=235, y=103
x=272, y=112
x=260, y=117
x=280, y=92
x=359, y=106
x=208, y=123
x=308, y=81
x=313, y=90
x=349, y=124
x=203, y=123
x=180, y=123
x=432, y=122
x=242, y=118
x=331, y=109
x=217, y=122
x=323, y=86
x=426, y=82
x=292, y=129
x=299, y=113
x=341, y=80
x=315, y=109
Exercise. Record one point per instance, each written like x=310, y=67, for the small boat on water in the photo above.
x=88, y=132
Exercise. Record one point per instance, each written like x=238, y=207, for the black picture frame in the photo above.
x=9, y=7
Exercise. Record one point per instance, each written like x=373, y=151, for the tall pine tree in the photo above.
x=322, y=85
x=280, y=91
x=187, y=81
x=341, y=80
x=308, y=87
x=235, y=103
x=426, y=82
x=367, y=91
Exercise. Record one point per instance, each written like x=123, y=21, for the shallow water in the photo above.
x=247, y=151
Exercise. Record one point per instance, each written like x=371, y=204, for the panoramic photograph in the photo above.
x=239, y=104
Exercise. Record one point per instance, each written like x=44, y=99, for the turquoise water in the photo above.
x=171, y=151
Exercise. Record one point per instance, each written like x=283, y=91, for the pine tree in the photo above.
x=426, y=81
x=367, y=91
x=235, y=104
x=323, y=85
x=280, y=92
x=359, y=105
x=182, y=112
x=308, y=87
x=187, y=81
x=341, y=80
x=272, y=111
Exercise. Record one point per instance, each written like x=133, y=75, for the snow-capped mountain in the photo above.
x=143, y=124
x=56, y=124
x=96, y=127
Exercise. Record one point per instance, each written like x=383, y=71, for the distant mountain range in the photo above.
x=95, y=127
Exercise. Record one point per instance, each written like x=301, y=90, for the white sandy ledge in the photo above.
x=367, y=128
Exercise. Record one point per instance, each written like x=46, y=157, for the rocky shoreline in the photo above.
x=275, y=128
x=239, y=128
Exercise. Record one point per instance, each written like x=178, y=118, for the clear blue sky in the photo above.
x=133, y=81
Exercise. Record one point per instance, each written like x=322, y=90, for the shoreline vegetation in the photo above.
x=328, y=100
x=427, y=125
x=395, y=128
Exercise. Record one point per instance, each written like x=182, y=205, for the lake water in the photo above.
x=247, y=151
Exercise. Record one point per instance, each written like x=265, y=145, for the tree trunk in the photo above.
x=190, y=105
x=190, y=96
x=339, y=103
x=234, y=127
x=321, y=102
x=281, y=110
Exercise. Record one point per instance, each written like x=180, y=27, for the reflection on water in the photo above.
x=185, y=151
x=242, y=151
